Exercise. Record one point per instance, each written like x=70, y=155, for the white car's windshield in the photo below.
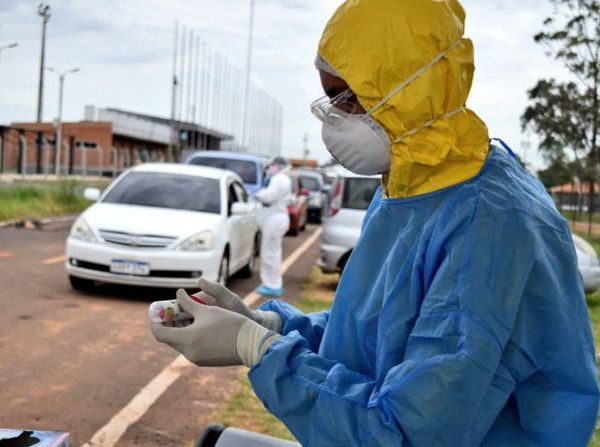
x=310, y=183
x=172, y=191
x=245, y=169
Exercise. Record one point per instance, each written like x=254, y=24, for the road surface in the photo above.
x=70, y=361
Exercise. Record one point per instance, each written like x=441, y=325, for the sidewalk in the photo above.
x=583, y=227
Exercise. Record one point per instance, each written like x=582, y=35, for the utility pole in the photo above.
x=58, y=142
x=44, y=13
x=190, y=78
x=175, y=83
x=180, y=93
x=306, y=151
x=248, y=71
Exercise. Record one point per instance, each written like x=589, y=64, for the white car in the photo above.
x=164, y=225
x=350, y=197
x=589, y=265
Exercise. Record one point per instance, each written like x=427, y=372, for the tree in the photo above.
x=566, y=115
x=557, y=173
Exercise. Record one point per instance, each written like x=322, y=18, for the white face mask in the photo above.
x=274, y=169
x=360, y=145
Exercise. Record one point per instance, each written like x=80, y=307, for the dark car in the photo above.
x=298, y=208
x=318, y=202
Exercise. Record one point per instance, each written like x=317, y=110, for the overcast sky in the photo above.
x=124, y=50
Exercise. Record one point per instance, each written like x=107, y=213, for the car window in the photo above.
x=245, y=169
x=294, y=184
x=358, y=192
x=310, y=183
x=242, y=195
x=231, y=198
x=161, y=190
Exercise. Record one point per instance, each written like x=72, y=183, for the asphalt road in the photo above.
x=70, y=361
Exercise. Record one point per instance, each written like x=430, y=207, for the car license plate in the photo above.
x=130, y=268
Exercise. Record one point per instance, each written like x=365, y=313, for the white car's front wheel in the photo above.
x=249, y=268
x=224, y=270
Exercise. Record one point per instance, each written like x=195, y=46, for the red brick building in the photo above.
x=105, y=143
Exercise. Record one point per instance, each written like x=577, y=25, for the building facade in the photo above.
x=106, y=142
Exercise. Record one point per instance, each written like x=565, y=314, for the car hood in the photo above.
x=148, y=221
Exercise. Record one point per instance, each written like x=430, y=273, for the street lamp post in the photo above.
x=6, y=47
x=248, y=73
x=58, y=142
x=44, y=13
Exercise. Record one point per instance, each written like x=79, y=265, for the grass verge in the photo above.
x=580, y=217
x=244, y=410
x=36, y=200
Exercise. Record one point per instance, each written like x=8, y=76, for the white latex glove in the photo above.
x=215, y=294
x=216, y=337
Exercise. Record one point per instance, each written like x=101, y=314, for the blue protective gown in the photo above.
x=460, y=320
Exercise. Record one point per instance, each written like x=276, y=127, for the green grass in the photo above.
x=581, y=217
x=244, y=410
x=593, y=302
x=35, y=200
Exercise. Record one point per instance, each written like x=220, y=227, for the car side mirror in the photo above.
x=304, y=192
x=241, y=208
x=91, y=194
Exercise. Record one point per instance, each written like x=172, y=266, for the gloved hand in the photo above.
x=216, y=337
x=215, y=294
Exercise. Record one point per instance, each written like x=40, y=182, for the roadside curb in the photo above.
x=36, y=223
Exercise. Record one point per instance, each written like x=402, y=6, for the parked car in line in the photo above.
x=314, y=182
x=164, y=225
x=250, y=168
x=298, y=207
x=350, y=199
x=588, y=263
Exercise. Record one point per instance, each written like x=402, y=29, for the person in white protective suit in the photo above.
x=274, y=222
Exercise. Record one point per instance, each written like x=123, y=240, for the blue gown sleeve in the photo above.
x=448, y=387
x=310, y=326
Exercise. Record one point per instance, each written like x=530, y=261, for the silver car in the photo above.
x=350, y=198
x=589, y=265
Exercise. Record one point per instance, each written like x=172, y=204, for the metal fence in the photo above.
x=29, y=152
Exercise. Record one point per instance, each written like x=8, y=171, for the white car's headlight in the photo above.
x=82, y=231
x=199, y=242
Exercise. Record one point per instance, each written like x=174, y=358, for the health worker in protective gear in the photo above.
x=460, y=318
x=274, y=221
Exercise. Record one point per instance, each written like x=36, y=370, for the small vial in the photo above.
x=167, y=312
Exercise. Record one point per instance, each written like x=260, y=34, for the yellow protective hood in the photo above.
x=376, y=46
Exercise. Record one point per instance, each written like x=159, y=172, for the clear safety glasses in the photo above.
x=334, y=111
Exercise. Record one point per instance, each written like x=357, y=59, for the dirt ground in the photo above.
x=70, y=361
